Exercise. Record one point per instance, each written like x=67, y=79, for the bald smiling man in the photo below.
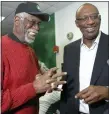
x=85, y=61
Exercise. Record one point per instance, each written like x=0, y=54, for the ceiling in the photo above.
x=8, y=9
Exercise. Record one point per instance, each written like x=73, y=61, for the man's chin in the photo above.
x=91, y=35
x=29, y=41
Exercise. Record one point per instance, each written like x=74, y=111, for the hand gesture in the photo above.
x=93, y=94
x=48, y=81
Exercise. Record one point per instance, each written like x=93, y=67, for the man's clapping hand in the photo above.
x=48, y=81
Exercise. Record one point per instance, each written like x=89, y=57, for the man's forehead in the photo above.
x=87, y=10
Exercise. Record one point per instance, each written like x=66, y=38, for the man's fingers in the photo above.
x=59, y=75
x=88, y=99
x=38, y=76
x=55, y=84
x=85, y=95
x=50, y=81
x=59, y=83
x=91, y=100
x=54, y=69
x=79, y=95
x=58, y=89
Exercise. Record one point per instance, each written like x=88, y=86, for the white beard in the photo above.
x=28, y=40
x=30, y=36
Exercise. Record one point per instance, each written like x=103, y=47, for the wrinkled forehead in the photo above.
x=86, y=10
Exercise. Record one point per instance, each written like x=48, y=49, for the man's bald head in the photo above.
x=88, y=20
x=85, y=9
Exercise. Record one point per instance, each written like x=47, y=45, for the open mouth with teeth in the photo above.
x=91, y=29
x=32, y=35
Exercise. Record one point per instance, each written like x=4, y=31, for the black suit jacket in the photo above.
x=100, y=76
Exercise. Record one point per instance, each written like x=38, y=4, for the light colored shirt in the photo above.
x=48, y=99
x=87, y=59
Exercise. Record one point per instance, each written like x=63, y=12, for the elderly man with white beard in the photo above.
x=22, y=80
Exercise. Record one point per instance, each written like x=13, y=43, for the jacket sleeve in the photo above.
x=14, y=98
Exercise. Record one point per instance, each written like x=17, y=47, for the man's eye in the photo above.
x=85, y=18
x=94, y=17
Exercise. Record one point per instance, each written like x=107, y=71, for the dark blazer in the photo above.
x=100, y=76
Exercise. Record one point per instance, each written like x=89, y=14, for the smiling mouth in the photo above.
x=91, y=29
x=32, y=33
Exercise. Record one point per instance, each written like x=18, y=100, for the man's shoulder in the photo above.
x=104, y=38
x=104, y=35
x=5, y=38
x=6, y=42
x=73, y=44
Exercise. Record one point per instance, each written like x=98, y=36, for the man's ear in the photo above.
x=100, y=17
x=16, y=20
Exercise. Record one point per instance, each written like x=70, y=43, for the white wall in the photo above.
x=65, y=22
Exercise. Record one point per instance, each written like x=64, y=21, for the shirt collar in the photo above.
x=96, y=41
x=13, y=37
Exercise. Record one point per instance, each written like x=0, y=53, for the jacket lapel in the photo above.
x=101, y=58
x=76, y=65
x=74, y=60
x=75, y=57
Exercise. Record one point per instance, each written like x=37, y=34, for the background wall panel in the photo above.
x=44, y=43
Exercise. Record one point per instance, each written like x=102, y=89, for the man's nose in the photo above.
x=36, y=27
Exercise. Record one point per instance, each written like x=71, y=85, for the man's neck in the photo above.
x=19, y=36
x=88, y=42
